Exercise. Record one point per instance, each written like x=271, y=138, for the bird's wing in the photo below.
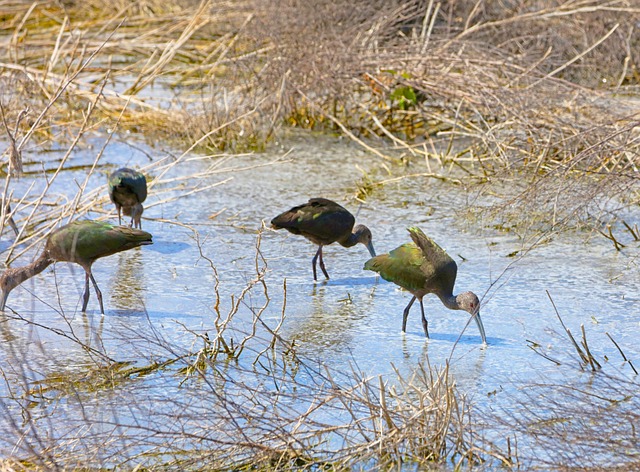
x=401, y=266
x=131, y=179
x=437, y=263
x=89, y=240
x=320, y=220
x=113, y=181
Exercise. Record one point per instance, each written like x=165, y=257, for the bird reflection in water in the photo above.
x=128, y=284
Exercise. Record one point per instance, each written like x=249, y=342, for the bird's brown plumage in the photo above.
x=82, y=242
x=423, y=267
x=323, y=222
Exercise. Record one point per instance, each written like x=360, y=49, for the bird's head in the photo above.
x=135, y=212
x=8, y=281
x=469, y=302
x=363, y=236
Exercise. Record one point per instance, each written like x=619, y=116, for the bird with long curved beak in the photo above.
x=423, y=267
x=128, y=190
x=324, y=222
x=82, y=242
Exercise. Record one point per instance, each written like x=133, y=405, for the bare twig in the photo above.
x=622, y=354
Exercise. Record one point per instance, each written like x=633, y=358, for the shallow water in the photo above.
x=164, y=294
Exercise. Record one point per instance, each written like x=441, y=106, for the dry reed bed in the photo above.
x=503, y=95
x=408, y=71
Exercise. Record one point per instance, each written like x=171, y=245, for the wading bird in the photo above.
x=81, y=242
x=423, y=267
x=128, y=189
x=323, y=222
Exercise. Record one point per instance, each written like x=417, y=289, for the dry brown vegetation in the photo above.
x=235, y=399
x=539, y=95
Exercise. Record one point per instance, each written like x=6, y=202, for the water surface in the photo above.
x=163, y=296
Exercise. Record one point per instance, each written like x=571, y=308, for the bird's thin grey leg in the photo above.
x=425, y=325
x=119, y=215
x=98, y=293
x=314, y=260
x=324, y=271
x=405, y=315
x=85, y=296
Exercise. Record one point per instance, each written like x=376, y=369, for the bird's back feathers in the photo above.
x=127, y=181
x=421, y=267
x=85, y=241
x=401, y=266
x=320, y=220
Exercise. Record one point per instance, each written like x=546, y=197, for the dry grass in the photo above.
x=238, y=396
x=578, y=428
x=512, y=93
x=539, y=96
x=514, y=83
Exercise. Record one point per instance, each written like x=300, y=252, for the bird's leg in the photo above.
x=85, y=296
x=425, y=325
x=313, y=262
x=98, y=292
x=118, y=207
x=136, y=215
x=405, y=315
x=324, y=271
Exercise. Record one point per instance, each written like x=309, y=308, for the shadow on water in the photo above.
x=167, y=247
x=350, y=281
x=5, y=244
x=451, y=338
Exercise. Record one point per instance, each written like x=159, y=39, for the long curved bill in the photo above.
x=480, y=327
x=3, y=299
x=371, y=250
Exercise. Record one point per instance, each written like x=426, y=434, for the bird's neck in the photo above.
x=449, y=300
x=20, y=274
x=350, y=241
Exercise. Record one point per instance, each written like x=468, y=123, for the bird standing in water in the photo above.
x=423, y=267
x=323, y=222
x=82, y=242
x=128, y=189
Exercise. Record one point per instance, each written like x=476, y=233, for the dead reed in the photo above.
x=237, y=396
x=486, y=94
x=580, y=424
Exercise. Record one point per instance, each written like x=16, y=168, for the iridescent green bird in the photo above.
x=423, y=267
x=324, y=222
x=128, y=189
x=82, y=242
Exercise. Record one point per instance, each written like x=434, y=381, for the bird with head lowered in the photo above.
x=82, y=242
x=128, y=189
x=324, y=222
x=423, y=267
